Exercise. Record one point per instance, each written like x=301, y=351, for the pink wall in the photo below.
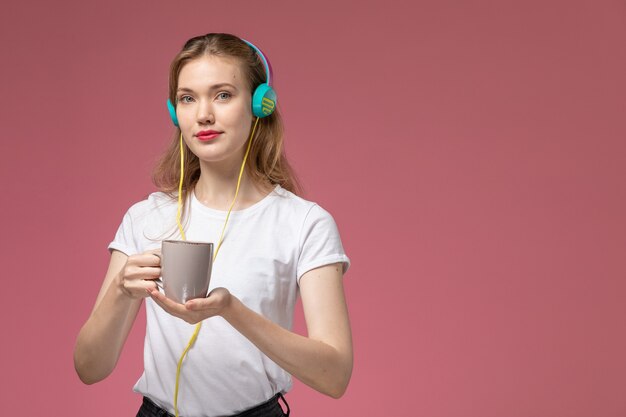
x=472, y=154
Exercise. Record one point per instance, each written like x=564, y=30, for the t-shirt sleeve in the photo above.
x=320, y=243
x=124, y=240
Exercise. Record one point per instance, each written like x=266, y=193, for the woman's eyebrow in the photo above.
x=213, y=87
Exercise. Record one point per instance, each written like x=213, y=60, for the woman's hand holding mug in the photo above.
x=140, y=273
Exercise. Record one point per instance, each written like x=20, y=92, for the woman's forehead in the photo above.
x=209, y=70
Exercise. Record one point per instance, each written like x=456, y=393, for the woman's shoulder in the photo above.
x=153, y=202
x=287, y=199
x=144, y=223
x=318, y=237
x=299, y=204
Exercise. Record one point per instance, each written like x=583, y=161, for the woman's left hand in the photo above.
x=196, y=310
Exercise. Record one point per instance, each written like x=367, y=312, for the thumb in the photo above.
x=196, y=304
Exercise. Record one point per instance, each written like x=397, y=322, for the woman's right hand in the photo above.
x=139, y=274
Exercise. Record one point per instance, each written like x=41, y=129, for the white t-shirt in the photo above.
x=267, y=247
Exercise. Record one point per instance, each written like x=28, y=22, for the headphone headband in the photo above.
x=266, y=63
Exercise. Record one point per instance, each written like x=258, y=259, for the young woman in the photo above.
x=275, y=246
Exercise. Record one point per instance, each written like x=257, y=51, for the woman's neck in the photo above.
x=216, y=188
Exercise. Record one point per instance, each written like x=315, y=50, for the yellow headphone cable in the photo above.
x=194, y=336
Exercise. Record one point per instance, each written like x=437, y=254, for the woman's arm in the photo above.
x=323, y=360
x=102, y=337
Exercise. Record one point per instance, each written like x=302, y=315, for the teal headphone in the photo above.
x=263, y=98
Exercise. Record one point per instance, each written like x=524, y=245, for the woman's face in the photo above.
x=214, y=108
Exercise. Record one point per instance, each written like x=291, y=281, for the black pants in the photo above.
x=270, y=408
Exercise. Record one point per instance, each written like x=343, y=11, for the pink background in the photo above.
x=472, y=154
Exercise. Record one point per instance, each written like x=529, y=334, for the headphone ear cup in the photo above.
x=172, y=111
x=263, y=101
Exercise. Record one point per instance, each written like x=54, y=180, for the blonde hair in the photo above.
x=267, y=160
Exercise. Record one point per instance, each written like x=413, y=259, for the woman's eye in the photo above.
x=223, y=95
x=184, y=99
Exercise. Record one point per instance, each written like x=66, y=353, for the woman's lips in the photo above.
x=208, y=136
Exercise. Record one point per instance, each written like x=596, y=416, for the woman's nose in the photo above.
x=205, y=113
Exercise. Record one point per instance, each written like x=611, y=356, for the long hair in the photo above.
x=266, y=161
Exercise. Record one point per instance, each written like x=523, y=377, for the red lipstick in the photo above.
x=206, y=135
